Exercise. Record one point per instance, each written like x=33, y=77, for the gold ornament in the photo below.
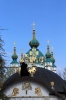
x=38, y=91
x=15, y=91
x=32, y=70
x=52, y=85
x=26, y=55
x=36, y=52
x=31, y=61
x=26, y=86
x=41, y=59
x=36, y=60
x=22, y=60
x=30, y=52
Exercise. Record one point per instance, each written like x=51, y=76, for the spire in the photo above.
x=14, y=54
x=14, y=47
x=34, y=42
x=34, y=37
x=33, y=24
x=22, y=58
x=48, y=48
x=52, y=58
x=14, y=57
x=48, y=54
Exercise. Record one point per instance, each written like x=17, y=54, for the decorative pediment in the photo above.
x=26, y=88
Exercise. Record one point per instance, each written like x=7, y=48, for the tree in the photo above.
x=2, y=61
x=2, y=71
x=3, y=96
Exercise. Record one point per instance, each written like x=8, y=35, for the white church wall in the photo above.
x=31, y=91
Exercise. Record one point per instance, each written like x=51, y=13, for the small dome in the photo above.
x=22, y=58
x=14, y=56
x=34, y=42
x=52, y=58
x=48, y=54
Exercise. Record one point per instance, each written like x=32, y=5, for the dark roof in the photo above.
x=45, y=76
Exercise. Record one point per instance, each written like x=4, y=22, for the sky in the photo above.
x=50, y=19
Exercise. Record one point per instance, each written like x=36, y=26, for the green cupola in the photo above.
x=48, y=54
x=52, y=58
x=34, y=42
x=14, y=58
x=22, y=58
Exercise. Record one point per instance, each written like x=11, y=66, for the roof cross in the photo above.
x=33, y=24
x=48, y=42
x=14, y=44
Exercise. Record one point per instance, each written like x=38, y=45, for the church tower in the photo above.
x=34, y=56
x=14, y=62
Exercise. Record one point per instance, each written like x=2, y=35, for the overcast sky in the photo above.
x=50, y=19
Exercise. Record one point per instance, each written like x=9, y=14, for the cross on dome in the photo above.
x=33, y=24
x=14, y=44
x=48, y=42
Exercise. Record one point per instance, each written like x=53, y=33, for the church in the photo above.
x=34, y=76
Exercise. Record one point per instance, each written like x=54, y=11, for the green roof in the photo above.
x=34, y=42
x=48, y=54
x=14, y=62
x=38, y=56
x=48, y=60
x=14, y=56
x=52, y=58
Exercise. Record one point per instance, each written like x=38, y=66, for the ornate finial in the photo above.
x=32, y=70
x=52, y=85
x=33, y=24
x=14, y=44
x=48, y=42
